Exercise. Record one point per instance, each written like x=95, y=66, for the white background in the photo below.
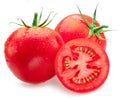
x=108, y=13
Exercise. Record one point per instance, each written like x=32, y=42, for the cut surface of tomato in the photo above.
x=81, y=65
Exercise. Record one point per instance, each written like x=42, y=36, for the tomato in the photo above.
x=30, y=53
x=81, y=65
x=81, y=26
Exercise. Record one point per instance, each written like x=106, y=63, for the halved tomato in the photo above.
x=81, y=65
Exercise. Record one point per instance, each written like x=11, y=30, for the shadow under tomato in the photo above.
x=57, y=85
x=52, y=83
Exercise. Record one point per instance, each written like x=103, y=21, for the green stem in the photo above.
x=35, y=19
x=94, y=18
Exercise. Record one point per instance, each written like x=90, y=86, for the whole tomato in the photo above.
x=82, y=26
x=30, y=51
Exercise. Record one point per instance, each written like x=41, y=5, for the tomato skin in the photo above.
x=73, y=26
x=30, y=53
x=66, y=74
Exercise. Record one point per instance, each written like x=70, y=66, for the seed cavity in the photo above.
x=76, y=80
x=92, y=76
x=66, y=62
x=86, y=50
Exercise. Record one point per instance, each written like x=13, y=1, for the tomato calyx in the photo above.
x=94, y=30
x=37, y=20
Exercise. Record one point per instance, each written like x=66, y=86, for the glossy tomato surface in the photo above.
x=30, y=53
x=73, y=26
x=81, y=65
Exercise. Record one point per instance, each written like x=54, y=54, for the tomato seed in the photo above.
x=66, y=61
x=93, y=55
x=67, y=58
x=85, y=51
x=66, y=65
x=89, y=52
x=87, y=79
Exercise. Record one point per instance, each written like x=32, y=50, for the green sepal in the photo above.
x=37, y=20
x=94, y=30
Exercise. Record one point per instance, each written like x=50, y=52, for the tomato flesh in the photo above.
x=81, y=65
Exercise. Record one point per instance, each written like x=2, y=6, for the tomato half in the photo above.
x=81, y=65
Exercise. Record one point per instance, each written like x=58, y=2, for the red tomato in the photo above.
x=30, y=53
x=81, y=65
x=81, y=26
